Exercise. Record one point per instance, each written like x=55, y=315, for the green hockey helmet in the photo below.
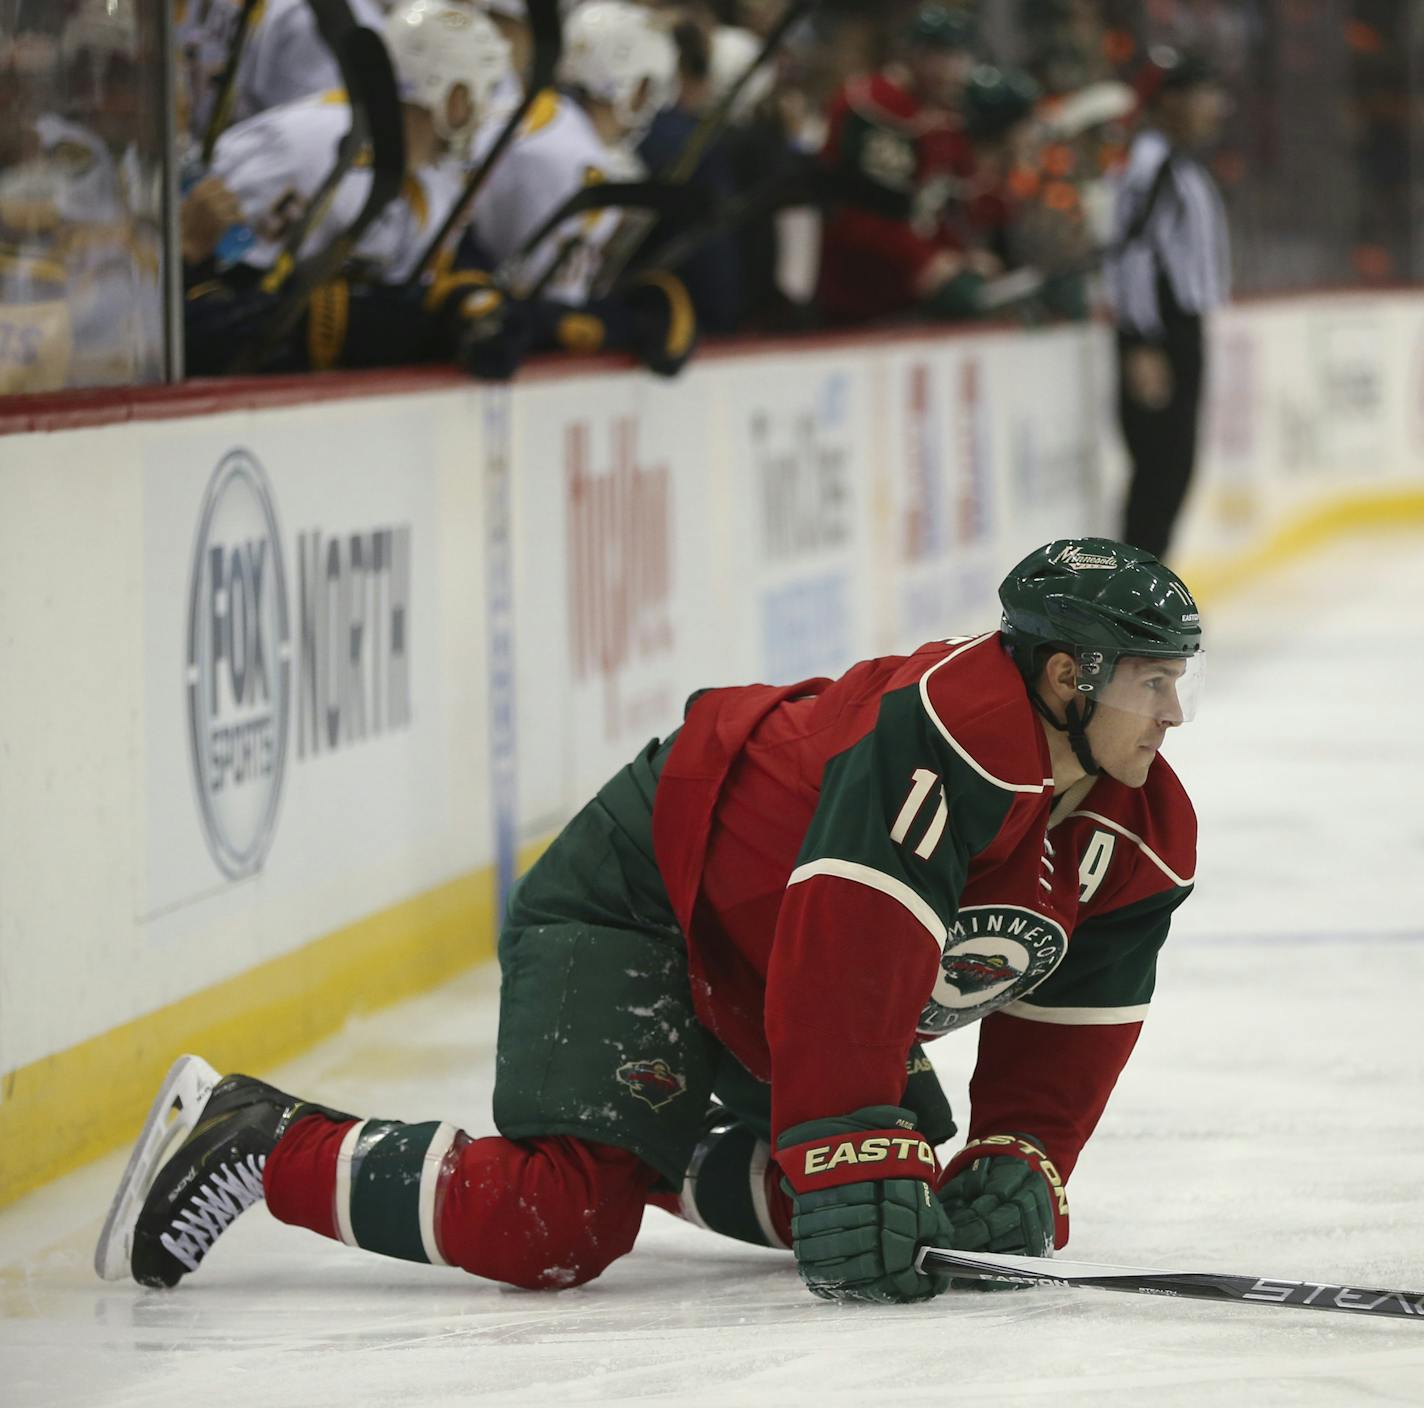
x=997, y=100
x=1128, y=621
x=941, y=27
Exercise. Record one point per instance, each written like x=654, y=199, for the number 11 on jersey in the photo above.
x=924, y=782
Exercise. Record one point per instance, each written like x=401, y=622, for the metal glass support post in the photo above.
x=172, y=242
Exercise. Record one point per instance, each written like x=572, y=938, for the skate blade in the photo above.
x=171, y=1117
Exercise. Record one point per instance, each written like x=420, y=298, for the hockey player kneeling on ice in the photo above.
x=448, y=61
x=714, y=978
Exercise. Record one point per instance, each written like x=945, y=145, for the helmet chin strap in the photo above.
x=1076, y=727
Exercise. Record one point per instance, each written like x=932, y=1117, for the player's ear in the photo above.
x=1059, y=679
x=459, y=107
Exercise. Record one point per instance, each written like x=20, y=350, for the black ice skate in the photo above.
x=173, y=1202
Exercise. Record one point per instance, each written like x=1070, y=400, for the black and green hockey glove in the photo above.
x=862, y=1192
x=956, y=298
x=1003, y=1194
x=924, y=1097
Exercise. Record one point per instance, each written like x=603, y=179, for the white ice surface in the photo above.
x=1271, y=1122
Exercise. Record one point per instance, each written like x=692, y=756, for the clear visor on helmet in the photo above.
x=1169, y=690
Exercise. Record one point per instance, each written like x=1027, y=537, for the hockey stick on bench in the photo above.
x=547, y=36
x=1189, y=1285
x=226, y=89
x=376, y=125
x=659, y=198
x=806, y=184
x=1030, y=281
x=656, y=196
x=624, y=244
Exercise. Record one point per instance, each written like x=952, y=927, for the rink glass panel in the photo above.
x=83, y=273
x=1321, y=164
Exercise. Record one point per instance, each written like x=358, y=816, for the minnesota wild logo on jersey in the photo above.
x=971, y=972
x=994, y=955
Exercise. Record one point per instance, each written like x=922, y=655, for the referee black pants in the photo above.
x=1161, y=443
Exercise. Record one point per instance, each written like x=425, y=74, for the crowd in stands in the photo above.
x=878, y=163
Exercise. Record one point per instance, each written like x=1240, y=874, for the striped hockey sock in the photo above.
x=387, y=1177
x=373, y=1184
x=542, y=1213
x=733, y=1187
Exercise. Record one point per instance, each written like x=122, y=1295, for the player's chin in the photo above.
x=1132, y=771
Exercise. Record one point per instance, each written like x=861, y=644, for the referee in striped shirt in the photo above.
x=1171, y=266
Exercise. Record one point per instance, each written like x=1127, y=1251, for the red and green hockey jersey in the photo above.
x=862, y=862
x=899, y=165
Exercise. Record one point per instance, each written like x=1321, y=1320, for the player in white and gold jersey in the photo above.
x=618, y=69
x=283, y=56
x=80, y=221
x=447, y=60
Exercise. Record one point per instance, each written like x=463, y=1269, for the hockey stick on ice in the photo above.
x=1189, y=1285
x=625, y=242
x=227, y=82
x=546, y=31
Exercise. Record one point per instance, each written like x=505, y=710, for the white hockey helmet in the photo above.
x=731, y=53
x=105, y=27
x=437, y=45
x=100, y=53
x=616, y=52
x=519, y=9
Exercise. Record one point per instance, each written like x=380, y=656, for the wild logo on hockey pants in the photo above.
x=653, y=1082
